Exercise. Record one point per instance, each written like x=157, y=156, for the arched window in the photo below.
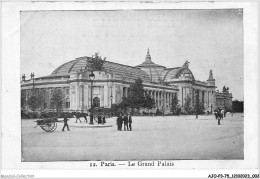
x=67, y=103
x=96, y=102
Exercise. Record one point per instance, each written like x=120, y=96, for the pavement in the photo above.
x=152, y=138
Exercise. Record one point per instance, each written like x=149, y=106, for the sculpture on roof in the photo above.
x=186, y=64
x=95, y=63
x=210, y=75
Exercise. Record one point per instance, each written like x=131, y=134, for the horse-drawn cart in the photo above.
x=47, y=124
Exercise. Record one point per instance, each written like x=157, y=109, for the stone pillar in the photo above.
x=158, y=99
x=102, y=99
x=82, y=97
x=114, y=93
x=121, y=93
x=169, y=103
x=106, y=96
x=86, y=97
x=165, y=100
x=89, y=96
x=110, y=93
x=77, y=90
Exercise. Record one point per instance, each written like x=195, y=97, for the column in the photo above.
x=110, y=93
x=208, y=98
x=89, y=94
x=121, y=93
x=77, y=91
x=114, y=93
x=169, y=100
x=165, y=99
x=82, y=97
x=181, y=96
x=158, y=100
x=86, y=97
x=102, y=99
x=106, y=96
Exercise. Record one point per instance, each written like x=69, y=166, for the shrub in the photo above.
x=33, y=115
x=24, y=116
x=158, y=112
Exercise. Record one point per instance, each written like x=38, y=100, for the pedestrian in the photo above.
x=219, y=116
x=118, y=122
x=99, y=119
x=65, y=123
x=77, y=117
x=121, y=121
x=222, y=114
x=104, y=119
x=91, y=118
x=130, y=122
x=125, y=122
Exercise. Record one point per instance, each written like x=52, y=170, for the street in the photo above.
x=152, y=138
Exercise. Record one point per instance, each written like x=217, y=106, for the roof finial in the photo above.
x=210, y=75
x=148, y=57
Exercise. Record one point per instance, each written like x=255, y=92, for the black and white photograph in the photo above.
x=130, y=86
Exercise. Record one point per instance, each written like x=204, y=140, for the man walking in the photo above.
x=119, y=122
x=219, y=116
x=65, y=123
x=125, y=122
x=130, y=122
x=104, y=119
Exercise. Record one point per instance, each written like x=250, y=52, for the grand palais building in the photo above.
x=112, y=84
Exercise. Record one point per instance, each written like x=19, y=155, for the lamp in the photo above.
x=92, y=77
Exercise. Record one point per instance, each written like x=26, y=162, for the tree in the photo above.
x=41, y=100
x=187, y=105
x=137, y=98
x=32, y=103
x=149, y=102
x=199, y=108
x=23, y=98
x=36, y=100
x=174, y=105
x=57, y=99
x=237, y=106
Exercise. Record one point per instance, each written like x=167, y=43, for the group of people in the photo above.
x=100, y=119
x=124, y=120
x=220, y=114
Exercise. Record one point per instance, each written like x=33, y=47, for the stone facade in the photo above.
x=112, y=84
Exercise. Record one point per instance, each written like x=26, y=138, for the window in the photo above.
x=67, y=91
x=96, y=102
x=67, y=104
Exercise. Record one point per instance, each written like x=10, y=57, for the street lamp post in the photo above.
x=163, y=104
x=197, y=103
x=92, y=77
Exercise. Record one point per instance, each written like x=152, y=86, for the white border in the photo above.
x=11, y=130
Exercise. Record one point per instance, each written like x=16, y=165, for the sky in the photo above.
x=208, y=39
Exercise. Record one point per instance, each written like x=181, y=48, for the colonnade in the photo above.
x=162, y=98
x=204, y=96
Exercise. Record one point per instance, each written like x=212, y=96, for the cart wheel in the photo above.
x=53, y=127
